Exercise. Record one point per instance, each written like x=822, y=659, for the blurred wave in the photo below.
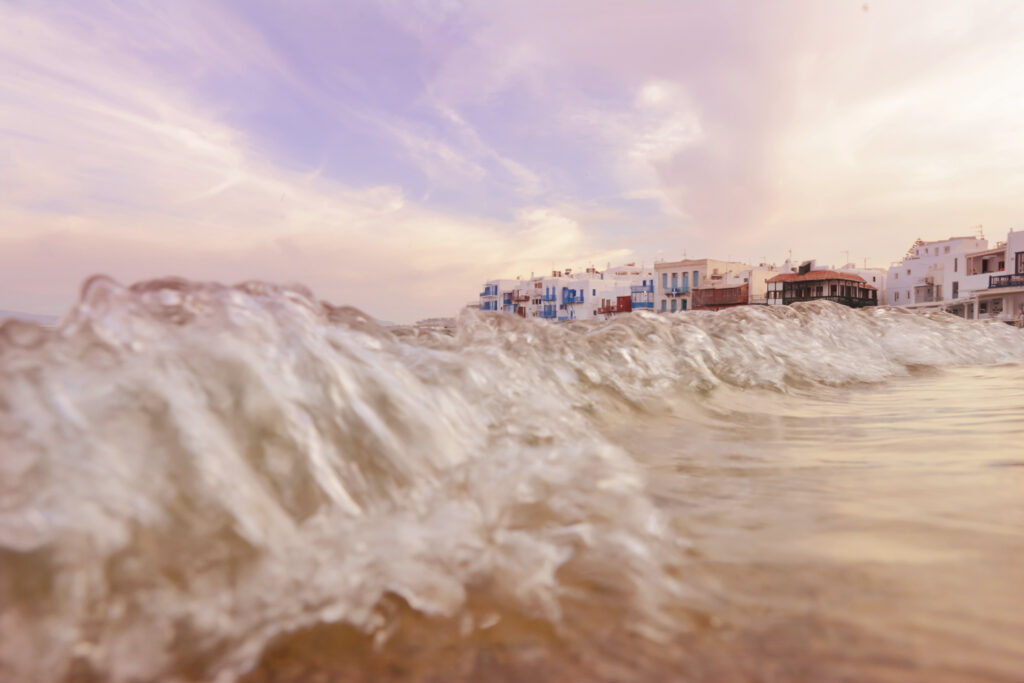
x=192, y=473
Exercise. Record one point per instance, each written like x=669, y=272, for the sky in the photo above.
x=394, y=155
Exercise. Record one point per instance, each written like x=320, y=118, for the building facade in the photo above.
x=674, y=281
x=806, y=284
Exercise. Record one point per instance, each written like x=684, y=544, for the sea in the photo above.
x=201, y=482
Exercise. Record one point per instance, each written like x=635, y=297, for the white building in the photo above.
x=924, y=278
x=565, y=295
x=640, y=287
x=971, y=279
x=496, y=295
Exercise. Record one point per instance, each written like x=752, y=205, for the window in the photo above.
x=686, y=280
x=593, y=292
x=673, y=305
x=1020, y=262
x=955, y=264
x=947, y=249
x=664, y=305
x=908, y=271
x=682, y=305
x=897, y=297
x=664, y=280
x=956, y=290
x=897, y=276
x=696, y=279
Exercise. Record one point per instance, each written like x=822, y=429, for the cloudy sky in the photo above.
x=395, y=154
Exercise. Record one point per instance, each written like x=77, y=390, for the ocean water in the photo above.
x=201, y=482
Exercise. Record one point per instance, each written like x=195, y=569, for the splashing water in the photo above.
x=204, y=482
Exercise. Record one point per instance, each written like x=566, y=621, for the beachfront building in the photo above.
x=873, y=276
x=497, y=293
x=1002, y=296
x=924, y=279
x=641, y=287
x=964, y=276
x=566, y=295
x=674, y=281
x=812, y=284
x=739, y=288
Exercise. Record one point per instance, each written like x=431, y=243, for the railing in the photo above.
x=851, y=301
x=676, y=291
x=643, y=304
x=547, y=313
x=1006, y=281
x=548, y=297
x=614, y=308
x=520, y=298
x=640, y=289
x=571, y=299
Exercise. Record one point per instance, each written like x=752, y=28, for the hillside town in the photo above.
x=964, y=276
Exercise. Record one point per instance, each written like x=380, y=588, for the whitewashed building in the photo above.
x=962, y=275
x=924, y=278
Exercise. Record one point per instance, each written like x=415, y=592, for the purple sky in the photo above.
x=393, y=155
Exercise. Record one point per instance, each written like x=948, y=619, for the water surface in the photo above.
x=200, y=482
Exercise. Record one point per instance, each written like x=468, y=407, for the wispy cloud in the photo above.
x=110, y=171
x=394, y=154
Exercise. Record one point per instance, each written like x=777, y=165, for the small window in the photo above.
x=954, y=263
x=897, y=298
x=908, y=271
x=956, y=290
x=947, y=249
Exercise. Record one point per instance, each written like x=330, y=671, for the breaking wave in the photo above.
x=195, y=478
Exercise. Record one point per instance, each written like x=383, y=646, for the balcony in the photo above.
x=623, y=305
x=643, y=304
x=640, y=289
x=852, y=302
x=926, y=294
x=547, y=313
x=995, y=281
x=548, y=296
x=520, y=298
x=572, y=298
x=721, y=296
x=677, y=291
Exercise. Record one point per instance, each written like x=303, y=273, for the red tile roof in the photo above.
x=820, y=275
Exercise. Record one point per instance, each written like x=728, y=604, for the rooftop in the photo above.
x=819, y=275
